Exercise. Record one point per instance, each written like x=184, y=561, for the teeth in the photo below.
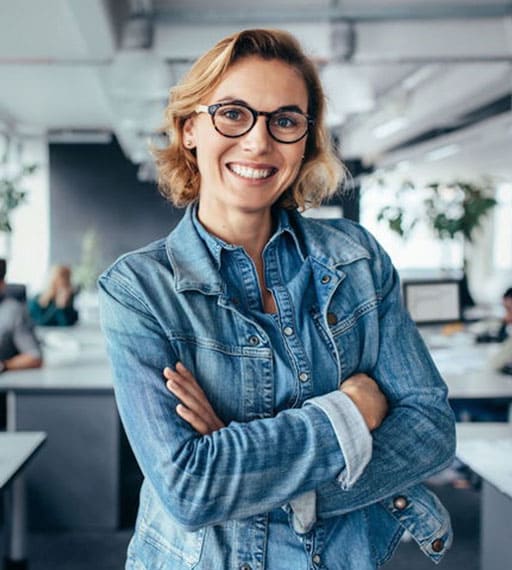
x=247, y=172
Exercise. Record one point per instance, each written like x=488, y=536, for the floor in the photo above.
x=96, y=551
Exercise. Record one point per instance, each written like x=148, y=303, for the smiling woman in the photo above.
x=321, y=169
x=275, y=392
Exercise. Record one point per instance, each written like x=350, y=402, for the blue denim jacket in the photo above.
x=208, y=502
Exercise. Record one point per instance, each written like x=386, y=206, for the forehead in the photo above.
x=264, y=84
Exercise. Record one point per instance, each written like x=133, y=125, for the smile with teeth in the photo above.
x=252, y=173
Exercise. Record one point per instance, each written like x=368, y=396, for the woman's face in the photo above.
x=248, y=173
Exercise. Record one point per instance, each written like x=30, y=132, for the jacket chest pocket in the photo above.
x=352, y=331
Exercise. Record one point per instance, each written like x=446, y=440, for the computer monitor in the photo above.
x=16, y=291
x=433, y=301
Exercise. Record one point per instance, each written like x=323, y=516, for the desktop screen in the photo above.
x=433, y=302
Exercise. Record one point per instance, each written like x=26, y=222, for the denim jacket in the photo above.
x=207, y=502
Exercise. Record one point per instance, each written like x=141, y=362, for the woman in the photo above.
x=54, y=306
x=278, y=398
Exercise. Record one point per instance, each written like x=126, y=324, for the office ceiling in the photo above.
x=408, y=81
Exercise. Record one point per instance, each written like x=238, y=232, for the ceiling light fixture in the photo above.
x=442, y=152
x=390, y=127
x=418, y=76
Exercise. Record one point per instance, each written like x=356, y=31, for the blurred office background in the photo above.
x=419, y=92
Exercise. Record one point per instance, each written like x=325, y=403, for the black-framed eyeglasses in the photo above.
x=285, y=125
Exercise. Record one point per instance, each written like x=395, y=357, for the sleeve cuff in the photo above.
x=352, y=433
x=304, y=512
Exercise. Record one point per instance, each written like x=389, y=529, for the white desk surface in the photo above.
x=74, y=359
x=465, y=367
x=70, y=376
x=487, y=449
x=15, y=450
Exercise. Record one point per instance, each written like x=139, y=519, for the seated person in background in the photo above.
x=19, y=347
x=506, y=326
x=502, y=329
x=54, y=307
x=502, y=360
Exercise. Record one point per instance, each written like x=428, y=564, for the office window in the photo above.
x=422, y=249
x=502, y=243
x=28, y=263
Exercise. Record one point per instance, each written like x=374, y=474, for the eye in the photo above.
x=286, y=121
x=233, y=114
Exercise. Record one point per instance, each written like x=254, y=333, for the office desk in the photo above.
x=76, y=484
x=487, y=449
x=465, y=367
x=16, y=450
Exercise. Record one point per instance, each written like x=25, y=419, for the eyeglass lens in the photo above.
x=236, y=120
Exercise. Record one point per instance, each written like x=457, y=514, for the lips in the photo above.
x=250, y=172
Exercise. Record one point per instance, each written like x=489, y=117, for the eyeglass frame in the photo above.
x=213, y=108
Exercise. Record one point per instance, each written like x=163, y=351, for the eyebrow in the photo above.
x=235, y=101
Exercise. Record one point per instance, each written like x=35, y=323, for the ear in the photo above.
x=189, y=133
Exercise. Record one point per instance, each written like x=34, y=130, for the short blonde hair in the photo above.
x=179, y=178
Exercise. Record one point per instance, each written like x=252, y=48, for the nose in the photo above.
x=257, y=140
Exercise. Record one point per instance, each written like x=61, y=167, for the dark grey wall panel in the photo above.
x=93, y=186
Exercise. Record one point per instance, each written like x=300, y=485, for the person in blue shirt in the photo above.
x=278, y=397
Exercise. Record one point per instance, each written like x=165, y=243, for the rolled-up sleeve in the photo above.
x=351, y=432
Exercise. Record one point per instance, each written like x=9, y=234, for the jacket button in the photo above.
x=400, y=503
x=288, y=331
x=332, y=319
x=303, y=376
x=325, y=279
x=438, y=545
x=254, y=340
x=316, y=559
x=245, y=567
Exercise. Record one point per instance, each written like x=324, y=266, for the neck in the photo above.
x=250, y=230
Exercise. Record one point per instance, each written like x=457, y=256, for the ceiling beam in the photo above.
x=255, y=14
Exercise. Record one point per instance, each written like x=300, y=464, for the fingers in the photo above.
x=193, y=419
x=195, y=407
x=186, y=391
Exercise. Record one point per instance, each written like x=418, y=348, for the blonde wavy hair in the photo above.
x=178, y=176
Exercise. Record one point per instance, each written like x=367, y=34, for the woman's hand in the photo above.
x=366, y=395
x=195, y=407
x=63, y=296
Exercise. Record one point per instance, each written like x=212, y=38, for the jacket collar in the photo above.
x=196, y=264
x=327, y=243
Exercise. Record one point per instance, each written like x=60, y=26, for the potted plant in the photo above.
x=12, y=195
x=452, y=210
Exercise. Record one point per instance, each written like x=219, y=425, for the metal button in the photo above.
x=303, y=376
x=254, y=340
x=332, y=319
x=400, y=503
x=325, y=279
x=245, y=567
x=288, y=331
x=316, y=559
x=438, y=545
